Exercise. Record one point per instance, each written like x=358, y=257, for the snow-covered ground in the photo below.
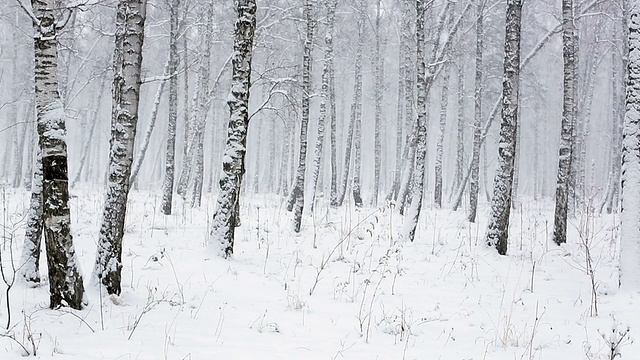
x=345, y=288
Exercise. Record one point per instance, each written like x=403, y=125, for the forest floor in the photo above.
x=346, y=287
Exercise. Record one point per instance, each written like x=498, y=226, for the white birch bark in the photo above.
x=65, y=278
x=444, y=106
x=630, y=215
x=378, y=60
x=498, y=228
x=170, y=154
x=324, y=93
x=357, y=101
x=568, y=124
x=226, y=218
x=127, y=63
x=474, y=184
x=30, y=258
x=296, y=198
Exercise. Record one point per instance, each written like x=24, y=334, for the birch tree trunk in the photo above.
x=65, y=278
x=498, y=229
x=226, y=218
x=127, y=63
x=444, y=106
x=170, y=154
x=379, y=93
x=324, y=93
x=296, y=199
x=284, y=184
x=357, y=101
x=568, y=123
x=347, y=158
x=204, y=74
x=425, y=79
x=630, y=216
x=421, y=133
x=474, y=184
x=30, y=258
x=32, y=142
x=333, y=197
x=459, y=173
x=406, y=103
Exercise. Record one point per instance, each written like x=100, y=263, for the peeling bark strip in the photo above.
x=498, y=230
x=568, y=123
x=65, y=280
x=127, y=63
x=630, y=223
x=226, y=218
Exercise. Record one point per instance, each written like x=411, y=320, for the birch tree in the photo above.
x=170, y=156
x=296, y=198
x=324, y=92
x=405, y=100
x=424, y=82
x=378, y=61
x=65, y=278
x=357, y=113
x=127, y=64
x=226, y=218
x=498, y=229
x=474, y=184
x=568, y=123
x=630, y=216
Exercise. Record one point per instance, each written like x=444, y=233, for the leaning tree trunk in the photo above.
x=630, y=216
x=324, y=93
x=92, y=127
x=170, y=155
x=226, y=218
x=296, y=198
x=474, y=184
x=568, y=123
x=65, y=279
x=30, y=260
x=142, y=151
x=127, y=64
x=498, y=230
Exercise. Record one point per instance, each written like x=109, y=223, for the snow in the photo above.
x=444, y=296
